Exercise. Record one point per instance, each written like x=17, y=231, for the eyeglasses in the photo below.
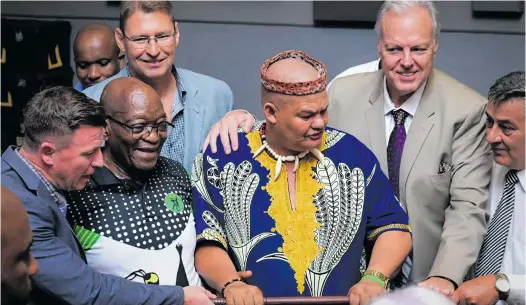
x=142, y=130
x=162, y=40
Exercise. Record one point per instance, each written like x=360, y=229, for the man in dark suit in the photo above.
x=63, y=135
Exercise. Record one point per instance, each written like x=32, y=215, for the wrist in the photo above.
x=232, y=282
x=455, y=286
x=502, y=286
x=377, y=277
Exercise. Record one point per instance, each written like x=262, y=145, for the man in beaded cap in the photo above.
x=298, y=204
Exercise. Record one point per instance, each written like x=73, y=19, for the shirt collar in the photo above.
x=522, y=176
x=409, y=106
x=178, y=79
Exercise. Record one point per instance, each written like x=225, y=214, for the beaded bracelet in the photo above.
x=228, y=283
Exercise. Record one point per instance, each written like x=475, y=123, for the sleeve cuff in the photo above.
x=392, y=227
x=517, y=289
x=212, y=235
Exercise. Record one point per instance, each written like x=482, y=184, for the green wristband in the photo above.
x=374, y=279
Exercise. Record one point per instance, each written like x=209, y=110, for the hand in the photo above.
x=245, y=275
x=437, y=284
x=226, y=128
x=364, y=291
x=194, y=295
x=478, y=291
x=239, y=293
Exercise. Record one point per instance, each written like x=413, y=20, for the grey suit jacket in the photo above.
x=446, y=210
x=207, y=101
x=63, y=276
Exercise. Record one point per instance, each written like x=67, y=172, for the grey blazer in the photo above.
x=207, y=101
x=63, y=276
x=446, y=208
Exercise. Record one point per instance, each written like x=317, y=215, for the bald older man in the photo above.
x=17, y=262
x=134, y=217
x=300, y=205
x=97, y=55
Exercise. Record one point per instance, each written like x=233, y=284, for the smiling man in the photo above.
x=427, y=130
x=97, y=55
x=61, y=151
x=134, y=218
x=149, y=35
x=499, y=275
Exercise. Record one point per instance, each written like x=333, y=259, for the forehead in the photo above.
x=312, y=102
x=512, y=110
x=86, y=137
x=97, y=45
x=148, y=23
x=143, y=103
x=412, y=26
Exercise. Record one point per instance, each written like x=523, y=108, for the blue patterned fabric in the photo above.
x=343, y=203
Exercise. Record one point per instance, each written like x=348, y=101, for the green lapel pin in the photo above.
x=174, y=203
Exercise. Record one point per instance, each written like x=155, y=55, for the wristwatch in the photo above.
x=379, y=276
x=502, y=285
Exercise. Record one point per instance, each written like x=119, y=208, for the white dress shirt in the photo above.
x=513, y=261
x=367, y=67
x=408, y=106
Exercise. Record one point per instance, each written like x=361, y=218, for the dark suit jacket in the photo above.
x=63, y=276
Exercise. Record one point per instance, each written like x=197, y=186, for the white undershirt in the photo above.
x=513, y=261
x=408, y=106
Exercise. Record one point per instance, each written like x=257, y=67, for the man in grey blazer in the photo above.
x=437, y=159
x=149, y=36
x=427, y=130
x=63, y=134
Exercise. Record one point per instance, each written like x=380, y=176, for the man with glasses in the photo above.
x=192, y=102
x=134, y=218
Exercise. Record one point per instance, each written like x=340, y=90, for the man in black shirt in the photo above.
x=134, y=218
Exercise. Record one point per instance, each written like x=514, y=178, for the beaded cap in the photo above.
x=297, y=88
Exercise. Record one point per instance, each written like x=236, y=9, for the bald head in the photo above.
x=17, y=262
x=292, y=70
x=124, y=93
x=12, y=210
x=96, y=34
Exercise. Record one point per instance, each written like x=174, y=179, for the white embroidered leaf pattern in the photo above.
x=333, y=136
x=328, y=176
x=198, y=181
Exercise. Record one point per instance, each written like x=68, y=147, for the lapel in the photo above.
x=375, y=119
x=420, y=127
x=193, y=118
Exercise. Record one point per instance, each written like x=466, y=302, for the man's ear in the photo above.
x=270, y=111
x=177, y=33
x=46, y=150
x=435, y=48
x=106, y=131
x=119, y=38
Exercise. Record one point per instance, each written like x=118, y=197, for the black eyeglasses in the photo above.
x=141, y=130
x=163, y=40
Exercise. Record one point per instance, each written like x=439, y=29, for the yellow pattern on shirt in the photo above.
x=297, y=228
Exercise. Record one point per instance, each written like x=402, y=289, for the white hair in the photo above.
x=413, y=295
x=404, y=6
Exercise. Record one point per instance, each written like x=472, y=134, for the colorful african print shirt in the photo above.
x=343, y=203
x=144, y=233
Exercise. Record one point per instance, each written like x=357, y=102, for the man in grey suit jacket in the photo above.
x=440, y=167
x=443, y=174
x=149, y=36
x=63, y=134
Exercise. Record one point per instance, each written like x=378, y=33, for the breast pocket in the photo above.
x=441, y=182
